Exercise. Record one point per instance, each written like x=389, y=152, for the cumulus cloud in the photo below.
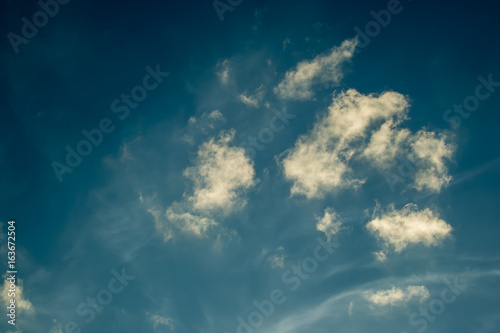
x=329, y=224
x=325, y=69
x=400, y=228
x=365, y=127
x=396, y=296
x=319, y=161
x=221, y=175
x=431, y=152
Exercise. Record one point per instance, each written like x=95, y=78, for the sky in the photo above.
x=250, y=166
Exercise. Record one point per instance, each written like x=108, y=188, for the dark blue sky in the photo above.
x=273, y=127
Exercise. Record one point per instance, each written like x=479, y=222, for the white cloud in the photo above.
x=325, y=69
x=319, y=161
x=396, y=296
x=329, y=224
x=431, y=152
x=221, y=173
x=22, y=304
x=400, y=228
x=277, y=259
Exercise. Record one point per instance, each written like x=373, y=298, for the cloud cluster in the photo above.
x=325, y=69
x=396, y=296
x=408, y=226
x=364, y=128
x=319, y=162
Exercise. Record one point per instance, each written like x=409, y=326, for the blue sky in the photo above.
x=342, y=181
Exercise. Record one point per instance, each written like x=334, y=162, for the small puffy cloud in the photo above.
x=22, y=304
x=400, y=228
x=396, y=296
x=329, y=224
x=319, y=161
x=277, y=260
x=325, y=69
x=431, y=152
x=159, y=321
x=221, y=173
